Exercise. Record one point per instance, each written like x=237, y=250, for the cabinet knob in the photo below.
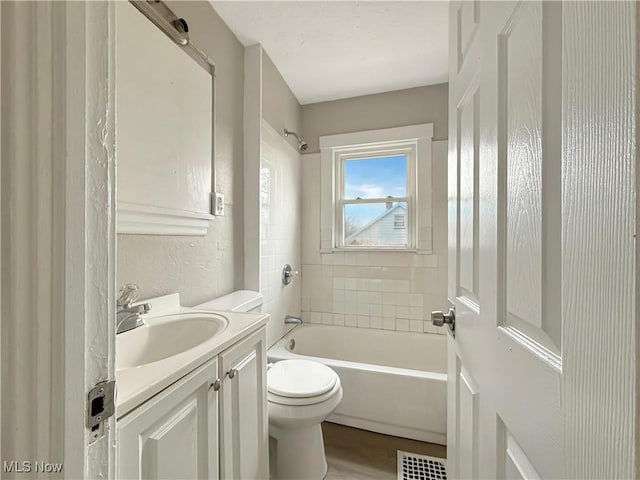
x=216, y=384
x=232, y=373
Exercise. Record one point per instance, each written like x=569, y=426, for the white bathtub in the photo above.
x=393, y=382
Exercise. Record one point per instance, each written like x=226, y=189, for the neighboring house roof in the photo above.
x=365, y=231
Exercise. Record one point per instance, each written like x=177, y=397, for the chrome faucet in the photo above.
x=129, y=316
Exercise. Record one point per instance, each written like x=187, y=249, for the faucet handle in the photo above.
x=129, y=293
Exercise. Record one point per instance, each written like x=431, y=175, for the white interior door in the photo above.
x=57, y=242
x=541, y=240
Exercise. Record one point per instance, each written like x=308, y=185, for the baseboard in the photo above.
x=397, y=431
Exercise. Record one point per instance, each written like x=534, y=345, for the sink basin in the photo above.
x=166, y=336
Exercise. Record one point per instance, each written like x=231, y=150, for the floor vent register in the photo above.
x=412, y=466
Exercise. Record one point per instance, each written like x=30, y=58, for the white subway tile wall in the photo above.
x=373, y=296
x=280, y=232
x=382, y=290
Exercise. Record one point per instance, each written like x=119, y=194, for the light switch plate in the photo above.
x=218, y=204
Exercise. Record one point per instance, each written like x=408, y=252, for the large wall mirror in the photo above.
x=164, y=125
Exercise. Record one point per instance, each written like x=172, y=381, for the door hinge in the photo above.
x=100, y=406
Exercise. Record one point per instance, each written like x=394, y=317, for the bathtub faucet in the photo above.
x=289, y=320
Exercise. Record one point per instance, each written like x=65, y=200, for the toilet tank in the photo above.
x=238, y=301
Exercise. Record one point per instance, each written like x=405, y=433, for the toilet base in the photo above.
x=299, y=453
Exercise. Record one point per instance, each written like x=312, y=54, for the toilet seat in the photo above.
x=302, y=401
x=300, y=382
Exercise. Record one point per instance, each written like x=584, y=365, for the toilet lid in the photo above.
x=300, y=378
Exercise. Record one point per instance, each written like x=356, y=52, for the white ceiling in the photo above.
x=338, y=49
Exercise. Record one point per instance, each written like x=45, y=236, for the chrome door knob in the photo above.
x=439, y=318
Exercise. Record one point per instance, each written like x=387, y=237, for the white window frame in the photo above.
x=341, y=156
x=415, y=142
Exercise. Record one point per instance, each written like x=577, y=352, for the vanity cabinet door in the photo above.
x=244, y=427
x=174, y=435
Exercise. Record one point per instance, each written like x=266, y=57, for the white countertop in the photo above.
x=136, y=385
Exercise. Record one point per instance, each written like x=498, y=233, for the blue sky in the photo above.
x=374, y=178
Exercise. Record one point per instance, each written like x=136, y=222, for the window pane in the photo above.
x=376, y=177
x=376, y=224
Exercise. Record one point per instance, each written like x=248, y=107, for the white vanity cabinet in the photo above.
x=198, y=428
x=174, y=435
x=244, y=423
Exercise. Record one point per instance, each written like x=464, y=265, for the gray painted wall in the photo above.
x=200, y=268
x=383, y=110
x=280, y=108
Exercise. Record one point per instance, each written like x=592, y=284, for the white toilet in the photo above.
x=301, y=395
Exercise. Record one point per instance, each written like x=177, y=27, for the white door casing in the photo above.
x=58, y=231
x=541, y=246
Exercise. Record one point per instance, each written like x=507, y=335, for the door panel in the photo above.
x=528, y=165
x=516, y=463
x=468, y=404
x=467, y=17
x=243, y=412
x=174, y=435
x=468, y=196
x=520, y=52
x=538, y=107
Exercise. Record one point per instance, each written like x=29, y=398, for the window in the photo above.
x=375, y=188
x=369, y=190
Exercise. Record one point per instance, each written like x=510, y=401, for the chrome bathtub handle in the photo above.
x=288, y=273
